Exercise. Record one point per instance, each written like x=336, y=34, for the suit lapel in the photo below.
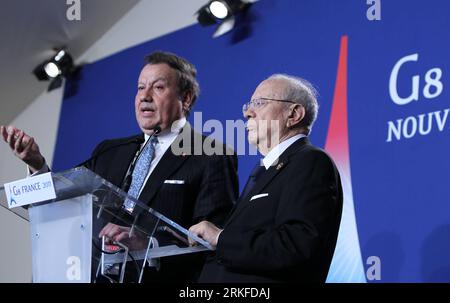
x=122, y=162
x=267, y=177
x=263, y=181
x=168, y=164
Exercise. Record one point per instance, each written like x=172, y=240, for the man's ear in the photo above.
x=296, y=115
x=186, y=100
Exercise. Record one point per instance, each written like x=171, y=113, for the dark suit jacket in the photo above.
x=210, y=188
x=288, y=235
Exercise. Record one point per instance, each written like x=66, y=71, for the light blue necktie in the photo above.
x=140, y=171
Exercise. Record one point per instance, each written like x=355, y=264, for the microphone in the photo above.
x=129, y=177
x=136, y=140
x=156, y=130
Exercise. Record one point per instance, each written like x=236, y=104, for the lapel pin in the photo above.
x=279, y=166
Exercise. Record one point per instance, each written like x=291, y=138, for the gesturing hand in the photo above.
x=23, y=147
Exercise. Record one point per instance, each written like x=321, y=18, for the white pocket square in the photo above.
x=258, y=196
x=174, y=182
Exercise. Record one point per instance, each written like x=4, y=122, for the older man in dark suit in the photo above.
x=285, y=225
x=206, y=185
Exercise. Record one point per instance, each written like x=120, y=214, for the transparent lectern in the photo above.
x=64, y=233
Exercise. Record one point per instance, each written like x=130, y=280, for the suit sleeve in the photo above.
x=307, y=211
x=218, y=189
x=90, y=163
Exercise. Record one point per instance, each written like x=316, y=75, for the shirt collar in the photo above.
x=168, y=134
x=276, y=152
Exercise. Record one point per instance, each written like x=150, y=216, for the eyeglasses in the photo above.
x=260, y=102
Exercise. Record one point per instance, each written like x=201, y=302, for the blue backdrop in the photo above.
x=398, y=153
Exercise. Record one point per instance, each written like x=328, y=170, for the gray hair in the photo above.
x=302, y=92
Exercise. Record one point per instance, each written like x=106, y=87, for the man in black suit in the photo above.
x=285, y=224
x=180, y=181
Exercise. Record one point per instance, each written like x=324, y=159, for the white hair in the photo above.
x=302, y=92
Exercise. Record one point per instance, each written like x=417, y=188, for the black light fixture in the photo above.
x=222, y=12
x=56, y=68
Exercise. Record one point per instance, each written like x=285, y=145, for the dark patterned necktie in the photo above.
x=253, y=178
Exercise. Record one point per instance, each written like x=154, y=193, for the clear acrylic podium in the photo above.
x=64, y=233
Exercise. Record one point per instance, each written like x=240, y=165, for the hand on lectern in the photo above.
x=207, y=231
x=23, y=147
x=117, y=233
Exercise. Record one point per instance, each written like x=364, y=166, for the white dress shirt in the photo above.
x=276, y=152
x=165, y=140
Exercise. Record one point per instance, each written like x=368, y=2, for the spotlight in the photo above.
x=59, y=66
x=222, y=12
x=219, y=9
x=52, y=70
